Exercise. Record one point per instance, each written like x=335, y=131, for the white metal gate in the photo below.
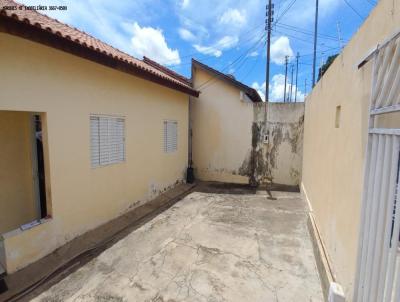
x=378, y=272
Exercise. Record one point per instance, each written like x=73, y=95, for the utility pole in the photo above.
x=284, y=91
x=305, y=86
x=297, y=73
x=291, y=83
x=315, y=42
x=339, y=35
x=268, y=22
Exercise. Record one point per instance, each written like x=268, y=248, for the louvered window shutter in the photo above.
x=94, y=141
x=107, y=140
x=170, y=136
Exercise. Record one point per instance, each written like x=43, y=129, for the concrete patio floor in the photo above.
x=207, y=247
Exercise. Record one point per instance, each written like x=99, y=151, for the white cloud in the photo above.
x=276, y=89
x=209, y=20
x=279, y=49
x=227, y=42
x=185, y=3
x=253, y=54
x=150, y=42
x=216, y=49
x=208, y=50
x=260, y=89
x=186, y=35
x=233, y=17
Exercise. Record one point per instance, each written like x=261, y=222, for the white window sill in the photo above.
x=24, y=228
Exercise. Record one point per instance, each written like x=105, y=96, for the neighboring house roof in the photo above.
x=250, y=92
x=32, y=25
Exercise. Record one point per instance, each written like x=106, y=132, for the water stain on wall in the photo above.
x=254, y=166
x=290, y=133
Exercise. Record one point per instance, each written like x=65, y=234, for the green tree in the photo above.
x=325, y=67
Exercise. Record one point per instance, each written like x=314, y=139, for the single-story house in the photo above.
x=238, y=138
x=86, y=133
x=222, y=119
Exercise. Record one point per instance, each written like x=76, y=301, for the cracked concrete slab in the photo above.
x=207, y=247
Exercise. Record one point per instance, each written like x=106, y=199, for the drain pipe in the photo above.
x=189, y=170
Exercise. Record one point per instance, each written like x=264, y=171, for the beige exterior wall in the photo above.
x=333, y=157
x=68, y=89
x=285, y=147
x=222, y=130
x=17, y=195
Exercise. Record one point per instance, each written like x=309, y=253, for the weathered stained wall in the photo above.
x=222, y=130
x=17, y=204
x=228, y=136
x=333, y=157
x=284, y=149
x=68, y=89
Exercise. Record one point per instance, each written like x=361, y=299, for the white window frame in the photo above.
x=107, y=140
x=170, y=136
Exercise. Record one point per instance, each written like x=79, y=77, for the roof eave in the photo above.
x=251, y=93
x=33, y=33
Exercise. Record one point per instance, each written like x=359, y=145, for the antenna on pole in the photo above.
x=291, y=83
x=315, y=42
x=284, y=91
x=339, y=35
x=305, y=86
x=297, y=73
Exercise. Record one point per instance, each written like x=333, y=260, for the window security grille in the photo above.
x=170, y=136
x=107, y=139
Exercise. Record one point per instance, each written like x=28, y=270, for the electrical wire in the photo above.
x=239, y=61
x=299, y=39
x=242, y=56
x=373, y=3
x=244, y=34
x=253, y=66
x=305, y=32
x=285, y=11
x=354, y=10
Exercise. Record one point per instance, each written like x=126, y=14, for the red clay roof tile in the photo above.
x=65, y=31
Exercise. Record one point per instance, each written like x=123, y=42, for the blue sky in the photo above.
x=227, y=34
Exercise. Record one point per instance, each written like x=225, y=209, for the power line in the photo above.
x=299, y=39
x=285, y=11
x=248, y=39
x=305, y=32
x=354, y=10
x=243, y=57
x=252, y=66
x=373, y=3
x=240, y=59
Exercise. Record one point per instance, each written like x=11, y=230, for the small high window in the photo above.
x=337, y=116
x=170, y=136
x=107, y=139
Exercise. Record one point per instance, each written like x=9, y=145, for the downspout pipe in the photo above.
x=189, y=171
